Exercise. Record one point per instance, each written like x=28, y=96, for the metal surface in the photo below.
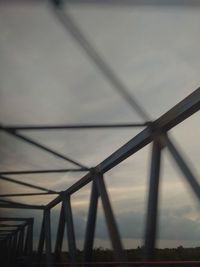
x=13, y=204
x=25, y=184
x=183, y=166
x=72, y=126
x=113, y=3
x=70, y=227
x=41, y=240
x=173, y=117
x=151, y=220
x=91, y=222
x=42, y=171
x=47, y=231
x=70, y=25
x=18, y=243
x=110, y=219
x=27, y=194
x=60, y=231
x=156, y=129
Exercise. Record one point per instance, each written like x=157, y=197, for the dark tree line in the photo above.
x=106, y=255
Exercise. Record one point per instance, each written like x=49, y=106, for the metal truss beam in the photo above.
x=8, y=225
x=91, y=223
x=28, y=194
x=12, y=204
x=60, y=231
x=155, y=131
x=42, y=171
x=131, y=3
x=173, y=117
x=151, y=220
x=10, y=219
x=7, y=179
x=7, y=231
x=41, y=239
x=110, y=219
x=12, y=244
x=15, y=206
x=70, y=227
x=183, y=166
x=76, y=33
x=73, y=126
x=44, y=148
x=47, y=233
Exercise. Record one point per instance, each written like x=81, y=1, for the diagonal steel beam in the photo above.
x=47, y=232
x=25, y=184
x=73, y=29
x=42, y=171
x=110, y=220
x=70, y=227
x=118, y=3
x=60, y=231
x=17, y=206
x=8, y=225
x=12, y=204
x=6, y=230
x=152, y=206
x=28, y=194
x=91, y=223
x=183, y=166
x=72, y=126
x=10, y=219
x=41, y=239
x=51, y=151
x=129, y=3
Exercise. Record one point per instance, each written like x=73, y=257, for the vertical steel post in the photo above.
x=29, y=242
x=41, y=240
x=9, y=249
x=21, y=242
x=183, y=167
x=47, y=231
x=60, y=232
x=91, y=222
x=14, y=252
x=70, y=227
x=110, y=219
x=152, y=205
x=26, y=241
x=17, y=244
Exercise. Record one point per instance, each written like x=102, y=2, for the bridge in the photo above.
x=16, y=234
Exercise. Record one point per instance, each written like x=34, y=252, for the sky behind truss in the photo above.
x=45, y=78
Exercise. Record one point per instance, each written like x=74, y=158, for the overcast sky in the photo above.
x=46, y=78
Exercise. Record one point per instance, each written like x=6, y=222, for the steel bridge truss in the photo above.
x=16, y=241
x=157, y=134
x=154, y=132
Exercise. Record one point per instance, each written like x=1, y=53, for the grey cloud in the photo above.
x=177, y=227
x=173, y=227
